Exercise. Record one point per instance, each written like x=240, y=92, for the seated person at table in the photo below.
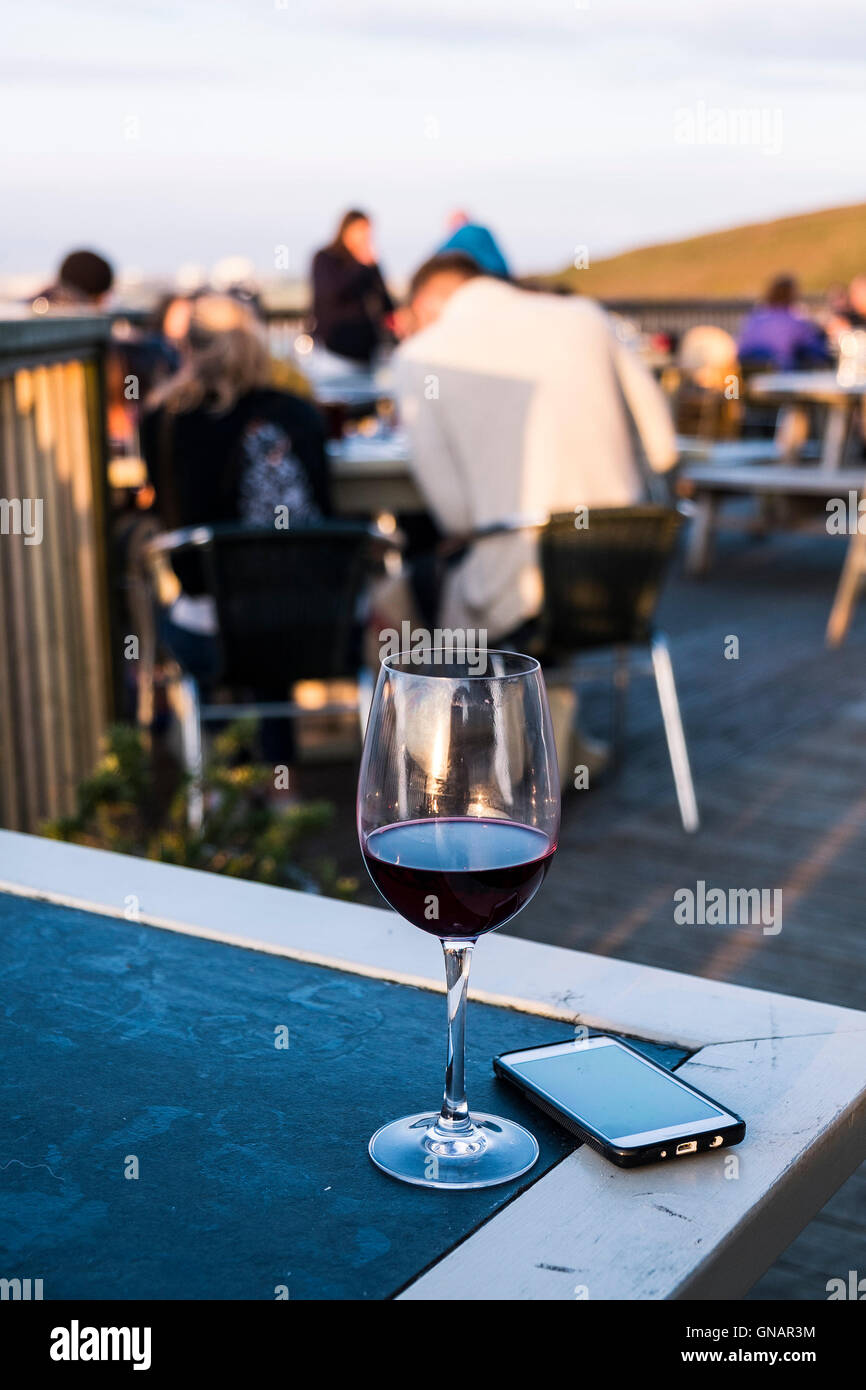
x=221, y=445
x=775, y=335
x=351, y=302
x=847, y=308
x=517, y=404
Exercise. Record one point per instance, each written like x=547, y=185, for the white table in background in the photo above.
x=371, y=474
x=815, y=388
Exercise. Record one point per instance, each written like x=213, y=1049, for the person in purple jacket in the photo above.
x=775, y=335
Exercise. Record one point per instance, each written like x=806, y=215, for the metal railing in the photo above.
x=676, y=316
x=671, y=316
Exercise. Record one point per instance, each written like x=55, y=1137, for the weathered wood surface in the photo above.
x=706, y=1228
x=795, y=1068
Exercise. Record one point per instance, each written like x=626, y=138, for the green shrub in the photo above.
x=119, y=807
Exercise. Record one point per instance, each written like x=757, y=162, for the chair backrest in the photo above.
x=602, y=581
x=287, y=601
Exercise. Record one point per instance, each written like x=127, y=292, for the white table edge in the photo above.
x=507, y=971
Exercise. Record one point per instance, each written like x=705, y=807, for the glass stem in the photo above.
x=454, y=1118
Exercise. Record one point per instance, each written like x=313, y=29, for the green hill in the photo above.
x=820, y=248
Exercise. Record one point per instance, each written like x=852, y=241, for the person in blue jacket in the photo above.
x=478, y=242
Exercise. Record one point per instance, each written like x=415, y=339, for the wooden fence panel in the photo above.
x=55, y=667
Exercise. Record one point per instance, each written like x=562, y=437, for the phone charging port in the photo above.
x=689, y=1148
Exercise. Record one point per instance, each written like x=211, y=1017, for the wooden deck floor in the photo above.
x=777, y=740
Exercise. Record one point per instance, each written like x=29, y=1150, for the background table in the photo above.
x=372, y=475
x=810, y=388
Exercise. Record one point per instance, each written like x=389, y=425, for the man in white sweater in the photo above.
x=517, y=405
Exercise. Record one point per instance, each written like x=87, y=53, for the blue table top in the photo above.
x=122, y=1040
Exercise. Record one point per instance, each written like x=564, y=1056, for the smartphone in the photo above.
x=615, y=1099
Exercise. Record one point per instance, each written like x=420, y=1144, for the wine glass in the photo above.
x=458, y=816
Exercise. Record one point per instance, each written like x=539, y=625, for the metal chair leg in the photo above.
x=670, y=706
x=191, y=744
x=619, y=691
x=702, y=534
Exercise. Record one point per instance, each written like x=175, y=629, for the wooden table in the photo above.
x=821, y=388
x=709, y=484
x=191, y=1023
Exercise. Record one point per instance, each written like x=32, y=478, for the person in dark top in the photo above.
x=351, y=303
x=84, y=280
x=222, y=445
x=220, y=442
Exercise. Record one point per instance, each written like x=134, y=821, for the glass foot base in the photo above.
x=489, y=1151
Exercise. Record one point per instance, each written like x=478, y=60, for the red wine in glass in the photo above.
x=459, y=876
x=458, y=817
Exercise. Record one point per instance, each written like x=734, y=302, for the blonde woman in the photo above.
x=222, y=444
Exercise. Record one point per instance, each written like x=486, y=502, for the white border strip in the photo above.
x=634, y=999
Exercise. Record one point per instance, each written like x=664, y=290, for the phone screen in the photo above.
x=614, y=1092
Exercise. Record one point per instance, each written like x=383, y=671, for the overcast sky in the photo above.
x=177, y=132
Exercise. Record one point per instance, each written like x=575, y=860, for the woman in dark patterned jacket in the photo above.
x=221, y=444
